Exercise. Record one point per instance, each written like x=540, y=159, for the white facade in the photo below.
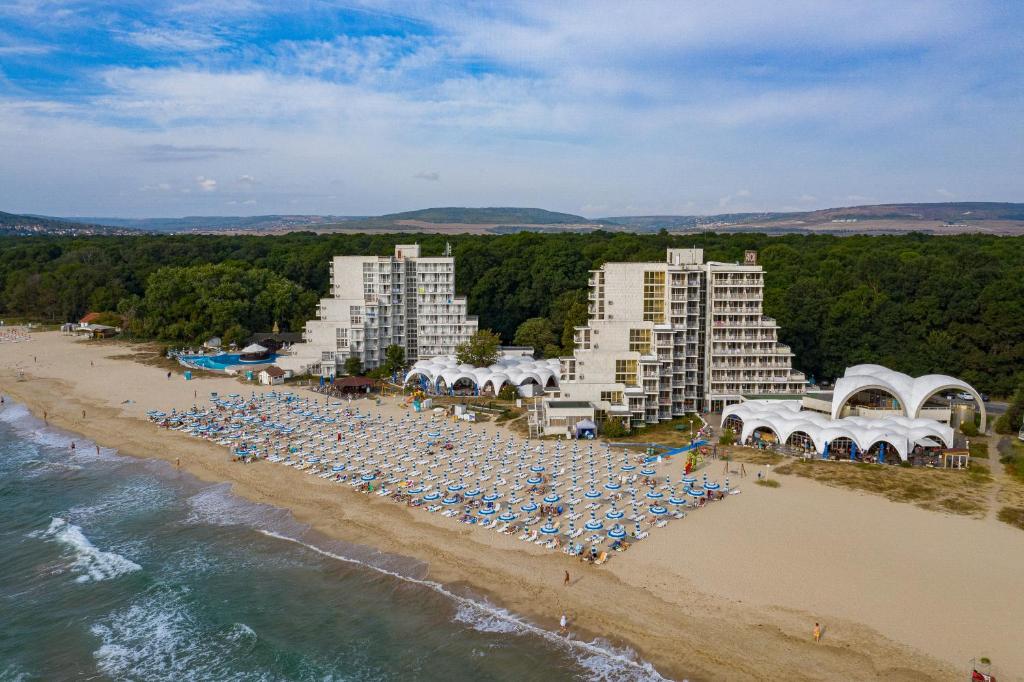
x=680, y=336
x=377, y=301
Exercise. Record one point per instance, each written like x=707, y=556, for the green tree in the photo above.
x=482, y=349
x=535, y=333
x=394, y=359
x=353, y=365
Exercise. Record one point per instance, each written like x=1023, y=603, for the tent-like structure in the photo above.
x=443, y=373
x=911, y=393
x=784, y=418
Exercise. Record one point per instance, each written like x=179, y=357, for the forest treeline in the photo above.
x=916, y=303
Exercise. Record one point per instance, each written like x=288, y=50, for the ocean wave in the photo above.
x=93, y=564
x=138, y=495
x=601, y=661
x=215, y=506
x=159, y=638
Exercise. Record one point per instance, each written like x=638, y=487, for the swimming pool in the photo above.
x=222, y=362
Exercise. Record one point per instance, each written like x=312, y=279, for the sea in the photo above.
x=117, y=568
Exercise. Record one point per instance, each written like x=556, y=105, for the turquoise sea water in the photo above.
x=125, y=569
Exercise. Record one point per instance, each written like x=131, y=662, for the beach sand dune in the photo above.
x=731, y=592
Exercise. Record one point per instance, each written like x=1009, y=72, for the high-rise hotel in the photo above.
x=377, y=301
x=664, y=339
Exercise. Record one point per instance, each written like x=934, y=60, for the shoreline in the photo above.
x=708, y=624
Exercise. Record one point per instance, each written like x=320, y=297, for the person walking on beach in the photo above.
x=566, y=581
x=168, y=376
x=46, y=419
x=817, y=632
x=563, y=625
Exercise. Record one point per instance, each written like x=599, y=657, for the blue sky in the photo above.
x=163, y=108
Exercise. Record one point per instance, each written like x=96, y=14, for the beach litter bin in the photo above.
x=188, y=375
x=248, y=375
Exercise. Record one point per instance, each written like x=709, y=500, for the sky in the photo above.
x=210, y=107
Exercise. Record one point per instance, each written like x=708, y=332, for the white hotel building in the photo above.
x=680, y=336
x=377, y=301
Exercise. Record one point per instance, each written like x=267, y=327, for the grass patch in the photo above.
x=1013, y=516
x=752, y=455
x=674, y=432
x=1013, y=461
x=979, y=450
x=768, y=483
x=957, y=492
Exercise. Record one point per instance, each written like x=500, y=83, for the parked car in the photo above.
x=984, y=397
x=964, y=395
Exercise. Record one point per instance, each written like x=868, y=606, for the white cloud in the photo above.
x=247, y=180
x=162, y=39
x=206, y=184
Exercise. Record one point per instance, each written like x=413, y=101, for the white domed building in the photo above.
x=443, y=374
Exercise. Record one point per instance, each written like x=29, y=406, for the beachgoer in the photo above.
x=566, y=581
x=168, y=376
x=563, y=625
x=177, y=462
x=46, y=419
x=72, y=446
x=97, y=449
x=817, y=632
x=83, y=414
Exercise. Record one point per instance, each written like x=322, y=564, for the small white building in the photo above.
x=272, y=376
x=563, y=417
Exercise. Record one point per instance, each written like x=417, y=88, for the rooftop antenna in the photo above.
x=447, y=250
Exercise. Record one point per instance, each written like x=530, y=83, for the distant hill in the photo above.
x=489, y=216
x=943, y=218
x=25, y=225
x=936, y=218
x=218, y=223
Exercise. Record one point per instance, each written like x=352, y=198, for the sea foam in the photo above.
x=93, y=564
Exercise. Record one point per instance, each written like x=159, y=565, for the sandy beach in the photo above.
x=732, y=592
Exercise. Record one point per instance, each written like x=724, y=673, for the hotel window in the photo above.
x=640, y=341
x=611, y=396
x=625, y=372
x=654, y=296
x=355, y=314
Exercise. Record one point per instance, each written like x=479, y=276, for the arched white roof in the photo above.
x=507, y=369
x=784, y=418
x=911, y=393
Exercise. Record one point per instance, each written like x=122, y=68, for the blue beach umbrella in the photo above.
x=416, y=490
x=614, y=513
x=534, y=480
x=695, y=493
x=367, y=477
x=507, y=517
x=711, y=486
x=530, y=506
x=549, y=528
x=655, y=495
x=689, y=478
x=617, y=533
x=450, y=500
x=647, y=472
x=475, y=492
x=537, y=468
x=487, y=511
x=612, y=485
x=551, y=499
x=593, y=524
x=658, y=510
x=492, y=496
x=592, y=494
x=431, y=496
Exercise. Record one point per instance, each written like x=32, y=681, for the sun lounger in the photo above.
x=602, y=557
x=662, y=523
x=642, y=534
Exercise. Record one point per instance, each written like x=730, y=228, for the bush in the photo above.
x=613, y=428
x=508, y=392
x=969, y=429
x=728, y=437
x=768, y=482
